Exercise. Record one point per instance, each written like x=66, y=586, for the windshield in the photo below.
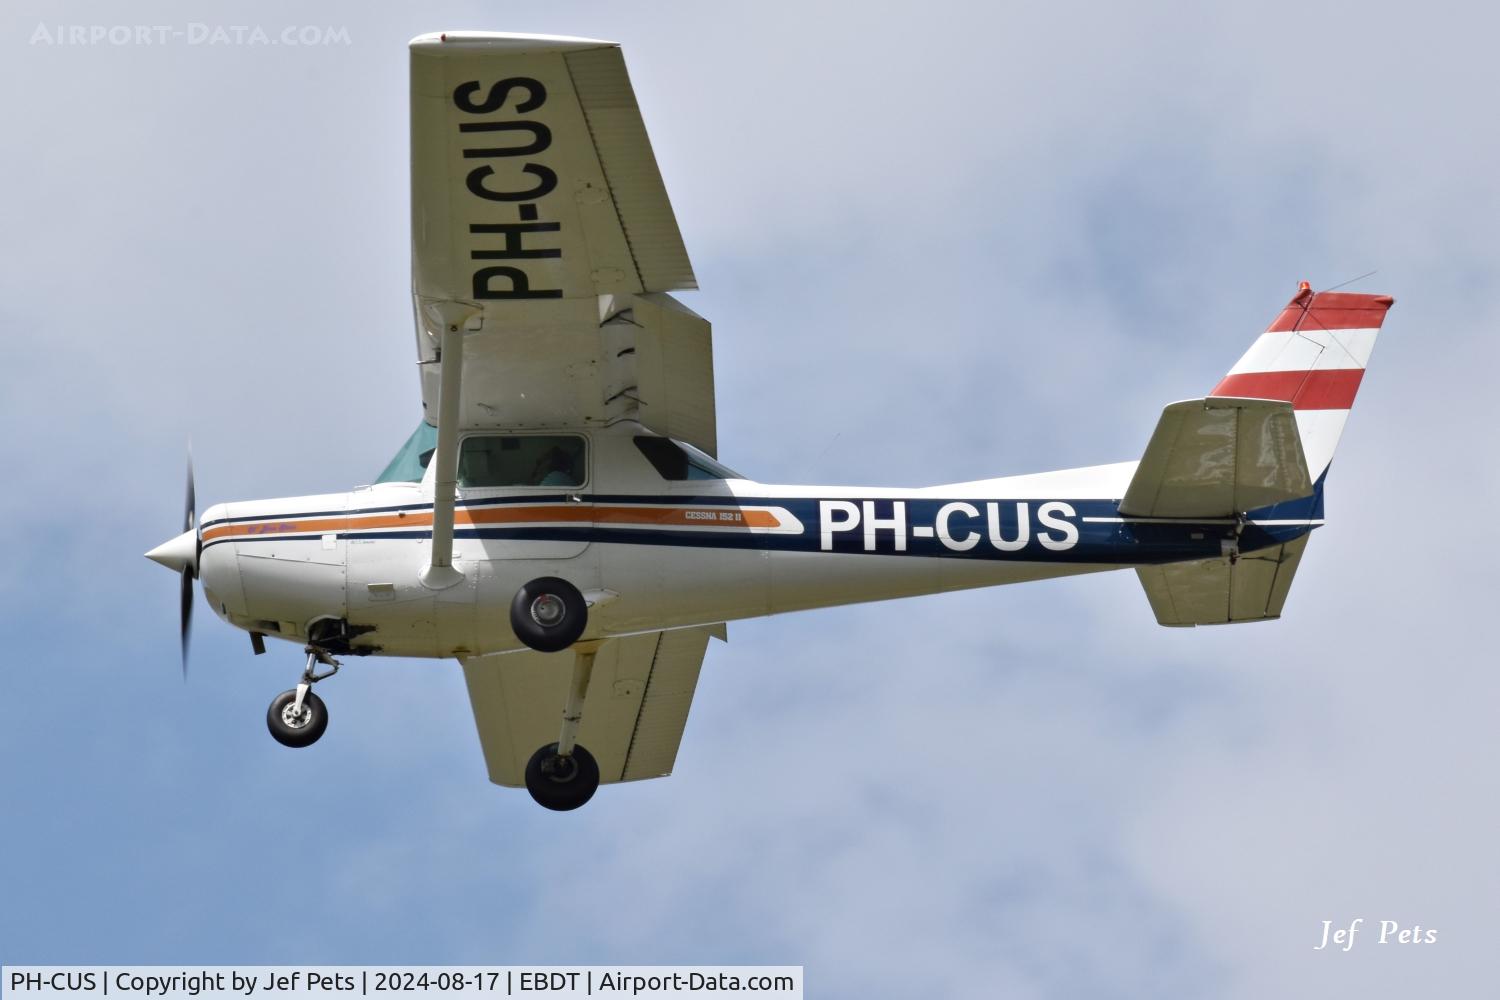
x=411, y=461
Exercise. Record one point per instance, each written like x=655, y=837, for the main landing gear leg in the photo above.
x=563, y=775
x=298, y=717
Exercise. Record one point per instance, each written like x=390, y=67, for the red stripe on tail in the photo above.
x=1332, y=311
x=1329, y=389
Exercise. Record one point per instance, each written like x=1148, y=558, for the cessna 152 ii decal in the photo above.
x=559, y=521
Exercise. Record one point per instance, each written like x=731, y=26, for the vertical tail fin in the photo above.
x=1313, y=356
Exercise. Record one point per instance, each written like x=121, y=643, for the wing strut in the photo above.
x=453, y=317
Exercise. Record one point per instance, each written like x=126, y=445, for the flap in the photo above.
x=1218, y=457
x=633, y=718
x=674, y=367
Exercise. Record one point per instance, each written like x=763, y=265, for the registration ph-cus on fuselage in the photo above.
x=1006, y=526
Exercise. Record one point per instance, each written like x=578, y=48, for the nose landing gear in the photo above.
x=298, y=717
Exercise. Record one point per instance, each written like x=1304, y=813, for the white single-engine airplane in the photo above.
x=559, y=522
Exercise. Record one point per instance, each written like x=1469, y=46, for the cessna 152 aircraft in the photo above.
x=559, y=521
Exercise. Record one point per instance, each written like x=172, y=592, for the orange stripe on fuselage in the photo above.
x=670, y=517
x=284, y=526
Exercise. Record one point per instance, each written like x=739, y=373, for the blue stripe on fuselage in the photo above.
x=1083, y=531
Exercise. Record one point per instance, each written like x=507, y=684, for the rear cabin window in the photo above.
x=522, y=460
x=675, y=461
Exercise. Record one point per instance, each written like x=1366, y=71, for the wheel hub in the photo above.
x=560, y=769
x=548, y=610
x=294, y=719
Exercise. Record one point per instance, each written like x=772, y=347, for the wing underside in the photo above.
x=633, y=718
x=541, y=227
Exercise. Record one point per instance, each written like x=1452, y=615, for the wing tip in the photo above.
x=504, y=41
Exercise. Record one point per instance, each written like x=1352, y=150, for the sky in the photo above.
x=937, y=242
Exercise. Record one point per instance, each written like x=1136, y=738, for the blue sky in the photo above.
x=937, y=243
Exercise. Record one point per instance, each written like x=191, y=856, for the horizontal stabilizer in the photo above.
x=1218, y=592
x=1218, y=457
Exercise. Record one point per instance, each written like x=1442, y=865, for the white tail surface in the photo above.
x=1313, y=356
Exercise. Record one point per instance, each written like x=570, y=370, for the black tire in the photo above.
x=303, y=734
x=529, y=618
x=562, y=783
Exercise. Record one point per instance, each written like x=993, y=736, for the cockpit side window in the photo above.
x=410, y=463
x=677, y=462
x=501, y=460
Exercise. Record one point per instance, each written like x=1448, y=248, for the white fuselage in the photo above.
x=649, y=553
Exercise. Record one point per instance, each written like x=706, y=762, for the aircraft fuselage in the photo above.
x=653, y=554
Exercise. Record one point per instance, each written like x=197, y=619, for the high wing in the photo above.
x=542, y=229
x=633, y=719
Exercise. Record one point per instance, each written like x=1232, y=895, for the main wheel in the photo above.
x=548, y=614
x=291, y=729
x=562, y=783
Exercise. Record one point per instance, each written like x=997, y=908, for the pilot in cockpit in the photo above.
x=556, y=468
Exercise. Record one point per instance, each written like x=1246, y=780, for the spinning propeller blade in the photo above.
x=190, y=570
x=181, y=554
x=187, y=617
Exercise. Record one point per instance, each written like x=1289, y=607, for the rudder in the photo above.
x=1313, y=356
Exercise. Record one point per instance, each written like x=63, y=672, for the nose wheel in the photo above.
x=297, y=718
x=292, y=725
